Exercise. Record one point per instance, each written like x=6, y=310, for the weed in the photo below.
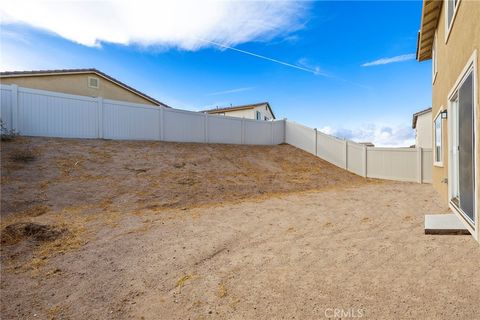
x=6, y=134
x=181, y=282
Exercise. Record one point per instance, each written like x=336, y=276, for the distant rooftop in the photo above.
x=240, y=107
x=80, y=71
x=419, y=113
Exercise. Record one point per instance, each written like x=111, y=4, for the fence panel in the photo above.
x=223, y=129
x=183, y=126
x=300, y=136
x=258, y=132
x=130, y=121
x=279, y=132
x=356, y=158
x=331, y=149
x=427, y=165
x=42, y=113
x=6, y=106
x=392, y=163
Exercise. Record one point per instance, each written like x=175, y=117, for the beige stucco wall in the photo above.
x=452, y=57
x=76, y=84
x=423, y=131
x=248, y=113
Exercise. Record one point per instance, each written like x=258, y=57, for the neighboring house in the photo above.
x=422, y=124
x=84, y=82
x=257, y=111
x=450, y=36
x=367, y=144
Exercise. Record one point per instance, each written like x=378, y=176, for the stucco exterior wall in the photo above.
x=76, y=84
x=423, y=131
x=247, y=113
x=452, y=57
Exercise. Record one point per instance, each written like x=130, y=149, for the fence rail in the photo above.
x=35, y=112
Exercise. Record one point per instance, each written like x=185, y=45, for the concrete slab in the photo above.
x=444, y=224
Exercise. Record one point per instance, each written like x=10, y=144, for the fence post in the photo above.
x=365, y=162
x=15, y=111
x=419, y=165
x=271, y=132
x=100, y=117
x=346, y=154
x=316, y=141
x=284, y=130
x=206, y=127
x=243, y=131
x=161, y=123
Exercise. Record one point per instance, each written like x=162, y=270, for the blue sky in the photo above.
x=333, y=65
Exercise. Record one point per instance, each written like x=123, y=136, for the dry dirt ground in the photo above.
x=148, y=230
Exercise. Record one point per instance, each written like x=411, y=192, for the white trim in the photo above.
x=435, y=162
x=448, y=28
x=470, y=66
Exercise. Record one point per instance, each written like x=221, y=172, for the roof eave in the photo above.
x=430, y=15
x=417, y=114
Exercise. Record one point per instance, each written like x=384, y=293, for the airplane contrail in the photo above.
x=316, y=72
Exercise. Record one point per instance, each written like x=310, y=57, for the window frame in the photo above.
x=470, y=66
x=258, y=115
x=439, y=117
x=449, y=27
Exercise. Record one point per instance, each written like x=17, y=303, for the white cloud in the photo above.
x=236, y=90
x=381, y=136
x=404, y=57
x=188, y=25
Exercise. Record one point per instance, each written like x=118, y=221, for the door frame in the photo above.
x=470, y=66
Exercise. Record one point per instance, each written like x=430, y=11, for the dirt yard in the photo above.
x=148, y=230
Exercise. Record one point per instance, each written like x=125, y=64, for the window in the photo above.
x=434, y=57
x=451, y=10
x=437, y=136
x=258, y=115
x=93, y=82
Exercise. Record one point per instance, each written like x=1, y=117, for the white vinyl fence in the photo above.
x=35, y=112
x=402, y=164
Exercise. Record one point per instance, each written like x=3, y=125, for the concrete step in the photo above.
x=444, y=224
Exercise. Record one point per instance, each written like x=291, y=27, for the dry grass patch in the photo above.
x=24, y=156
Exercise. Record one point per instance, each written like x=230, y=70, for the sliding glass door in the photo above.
x=463, y=149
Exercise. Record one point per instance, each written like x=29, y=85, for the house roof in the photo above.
x=419, y=113
x=430, y=14
x=32, y=73
x=241, y=107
